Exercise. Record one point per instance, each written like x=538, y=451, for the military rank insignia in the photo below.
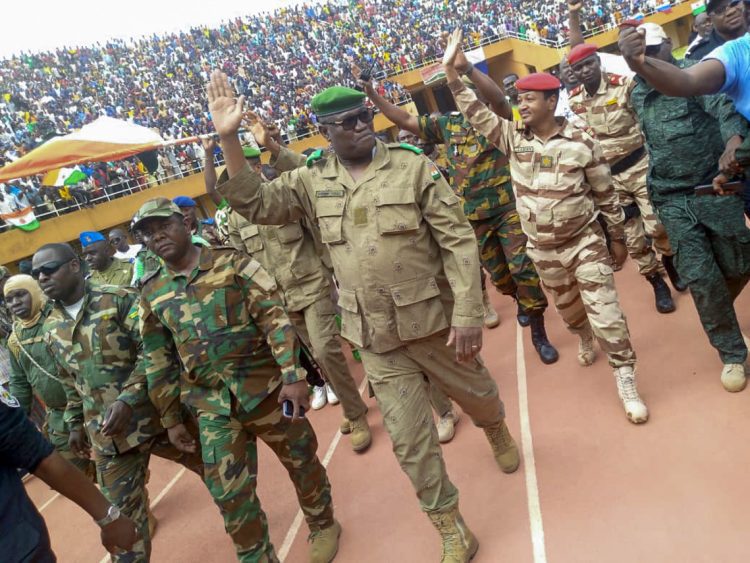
x=612, y=102
x=547, y=162
x=360, y=216
x=434, y=171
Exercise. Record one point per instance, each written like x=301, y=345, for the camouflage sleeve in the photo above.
x=265, y=307
x=159, y=365
x=430, y=130
x=134, y=390
x=486, y=122
x=74, y=403
x=281, y=201
x=443, y=212
x=288, y=160
x=233, y=233
x=722, y=109
x=599, y=177
x=20, y=387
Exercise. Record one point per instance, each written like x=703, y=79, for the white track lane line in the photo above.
x=158, y=498
x=297, y=522
x=50, y=501
x=529, y=464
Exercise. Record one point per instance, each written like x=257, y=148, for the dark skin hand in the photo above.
x=79, y=444
x=181, y=439
x=296, y=393
x=116, y=419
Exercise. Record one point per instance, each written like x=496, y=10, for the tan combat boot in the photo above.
x=346, y=426
x=324, y=544
x=503, y=447
x=733, y=377
x=586, y=352
x=446, y=426
x=361, y=437
x=491, y=318
x=459, y=544
x=635, y=408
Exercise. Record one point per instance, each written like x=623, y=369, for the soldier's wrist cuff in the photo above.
x=171, y=420
x=293, y=376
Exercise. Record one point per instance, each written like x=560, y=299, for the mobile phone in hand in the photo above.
x=708, y=189
x=287, y=409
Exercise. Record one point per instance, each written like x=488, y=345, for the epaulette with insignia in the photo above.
x=616, y=79
x=577, y=90
x=148, y=275
x=313, y=158
x=408, y=147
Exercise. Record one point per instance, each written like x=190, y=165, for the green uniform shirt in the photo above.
x=685, y=137
x=99, y=358
x=478, y=171
x=226, y=324
x=29, y=377
x=120, y=272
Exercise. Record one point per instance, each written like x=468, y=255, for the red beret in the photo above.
x=581, y=51
x=538, y=81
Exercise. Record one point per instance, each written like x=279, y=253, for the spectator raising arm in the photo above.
x=575, y=33
x=401, y=118
x=209, y=170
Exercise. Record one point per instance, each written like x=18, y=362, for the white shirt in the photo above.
x=73, y=309
x=130, y=254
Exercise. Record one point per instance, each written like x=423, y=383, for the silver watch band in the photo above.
x=112, y=514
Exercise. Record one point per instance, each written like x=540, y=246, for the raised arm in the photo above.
x=400, y=118
x=706, y=77
x=574, y=22
x=209, y=170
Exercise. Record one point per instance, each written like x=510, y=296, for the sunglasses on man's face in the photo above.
x=48, y=269
x=721, y=10
x=349, y=123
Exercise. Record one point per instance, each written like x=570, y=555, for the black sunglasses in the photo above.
x=720, y=10
x=349, y=123
x=48, y=269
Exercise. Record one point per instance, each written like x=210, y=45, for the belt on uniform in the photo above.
x=628, y=161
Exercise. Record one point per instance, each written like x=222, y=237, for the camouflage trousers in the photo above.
x=712, y=255
x=580, y=279
x=630, y=186
x=59, y=441
x=123, y=478
x=400, y=381
x=316, y=326
x=502, y=251
x=230, y=456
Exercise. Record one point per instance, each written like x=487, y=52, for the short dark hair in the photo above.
x=549, y=93
x=62, y=250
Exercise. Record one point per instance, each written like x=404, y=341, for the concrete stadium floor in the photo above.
x=592, y=487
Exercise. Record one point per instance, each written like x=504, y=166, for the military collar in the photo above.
x=334, y=169
x=565, y=129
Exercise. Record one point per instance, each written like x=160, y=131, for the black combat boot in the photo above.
x=522, y=316
x=546, y=351
x=674, y=277
x=664, y=303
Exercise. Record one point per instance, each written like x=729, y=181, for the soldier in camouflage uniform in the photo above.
x=300, y=265
x=711, y=241
x=92, y=332
x=219, y=312
x=406, y=261
x=100, y=256
x=33, y=369
x=602, y=100
x=561, y=184
x=479, y=174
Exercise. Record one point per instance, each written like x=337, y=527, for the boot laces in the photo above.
x=628, y=390
x=499, y=436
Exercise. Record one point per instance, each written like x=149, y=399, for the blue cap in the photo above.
x=184, y=201
x=209, y=221
x=90, y=237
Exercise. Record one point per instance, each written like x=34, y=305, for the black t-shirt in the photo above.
x=23, y=534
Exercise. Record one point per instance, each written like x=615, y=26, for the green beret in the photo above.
x=336, y=99
x=157, y=207
x=251, y=152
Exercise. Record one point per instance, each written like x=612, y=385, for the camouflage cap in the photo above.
x=336, y=99
x=157, y=207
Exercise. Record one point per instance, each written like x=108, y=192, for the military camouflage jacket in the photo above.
x=28, y=378
x=291, y=253
x=561, y=184
x=478, y=171
x=99, y=358
x=226, y=325
x=610, y=115
x=685, y=137
x=402, y=250
x=120, y=272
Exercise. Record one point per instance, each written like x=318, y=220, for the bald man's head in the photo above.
x=118, y=238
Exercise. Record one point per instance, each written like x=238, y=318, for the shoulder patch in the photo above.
x=408, y=147
x=133, y=314
x=313, y=158
x=577, y=90
x=8, y=400
x=616, y=79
